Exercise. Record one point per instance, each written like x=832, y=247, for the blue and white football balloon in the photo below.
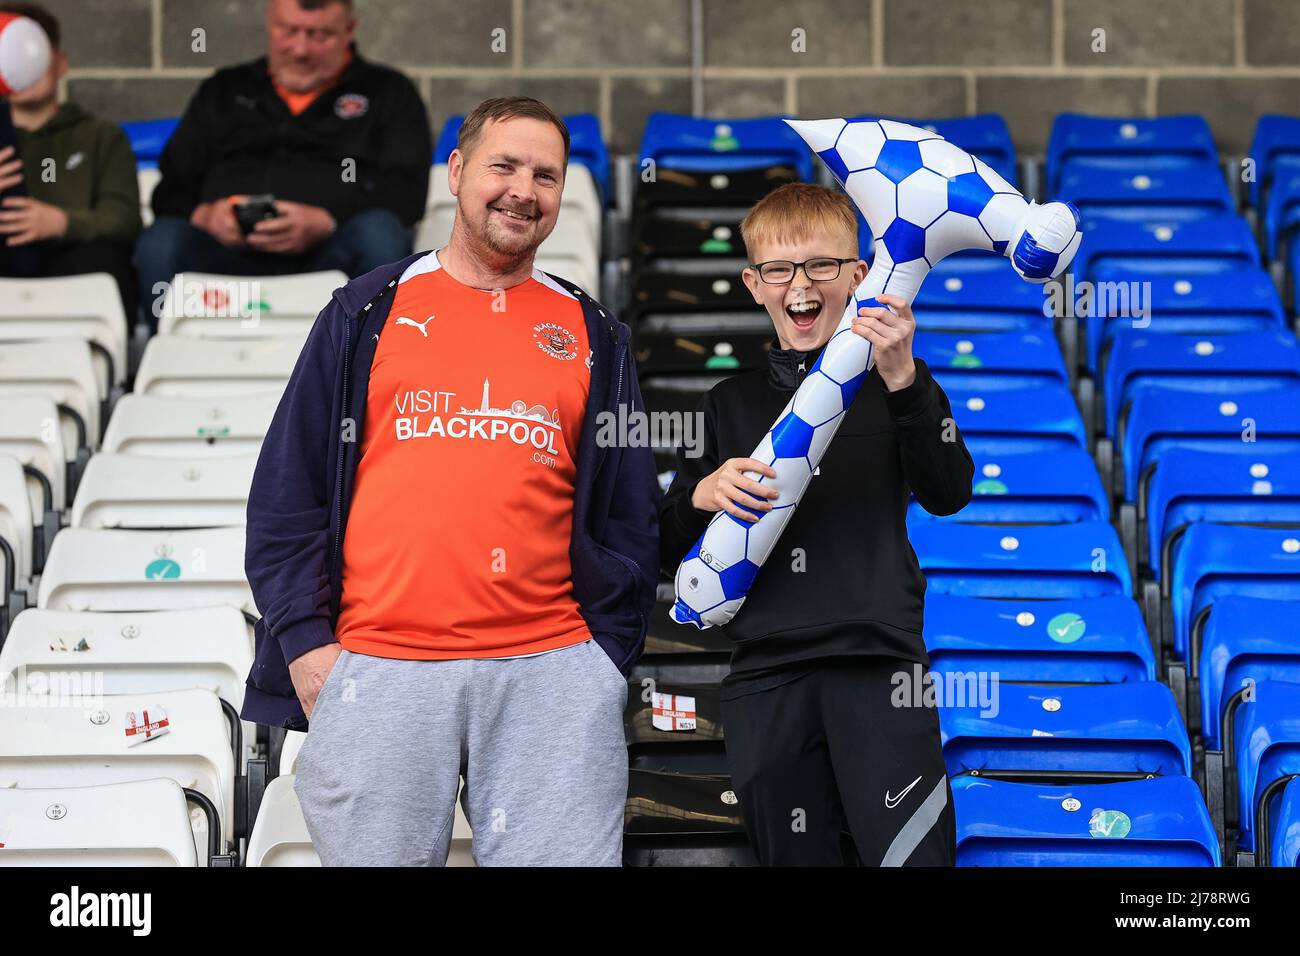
x=924, y=199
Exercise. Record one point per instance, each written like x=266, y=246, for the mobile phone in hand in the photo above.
x=253, y=210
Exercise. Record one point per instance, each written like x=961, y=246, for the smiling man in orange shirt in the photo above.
x=498, y=565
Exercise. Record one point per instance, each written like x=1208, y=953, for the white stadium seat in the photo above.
x=97, y=570
x=147, y=178
x=123, y=491
x=208, y=305
x=293, y=741
x=16, y=525
x=157, y=427
x=141, y=823
x=129, y=652
x=30, y=432
x=439, y=213
x=565, y=253
x=181, y=366
x=280, y=836
x=582, y=198
x=86, y=307
x=134, y=652
x=84, y=740
x=64, y=371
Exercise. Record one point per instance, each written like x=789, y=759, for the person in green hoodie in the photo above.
x=81, y=213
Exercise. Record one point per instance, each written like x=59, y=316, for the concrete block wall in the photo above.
x=622, y=59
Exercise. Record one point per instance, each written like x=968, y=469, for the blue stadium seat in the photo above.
x=1126, y=250
x=1282, y=212
x=1244, y=640
x=1211, y=561
x=1266, y=751
x=971, y=262
x=1100, y=640
x=1013, y=485
x=1161, y=418
x=988, y=301
x=709, y=144
x=1137, y=143
x=1243, y=484
x=1036, y=561
x=1063, y=732
x=1024, y=357
x=1225, y=304
x=1038, y=417
x=1165, y=196
x=1157, y=822
x=1211, y=362
x=985, y=135
x=148, y=137
x=1275, y=149
x=586, y=146
x=1286, y=831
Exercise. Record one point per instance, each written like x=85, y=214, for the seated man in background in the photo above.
x=81, y=213
x=342, y=146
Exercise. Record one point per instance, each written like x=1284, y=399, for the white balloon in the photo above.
x=24, y=53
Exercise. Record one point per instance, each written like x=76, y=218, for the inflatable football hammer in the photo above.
x=924, y=199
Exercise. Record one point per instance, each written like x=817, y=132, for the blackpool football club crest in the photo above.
x=556, y=341
x=351, y=106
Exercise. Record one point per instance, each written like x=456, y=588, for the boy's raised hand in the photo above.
x=891, y=335
x=728, y=488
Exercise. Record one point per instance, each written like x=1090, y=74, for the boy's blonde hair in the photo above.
x=797, y=212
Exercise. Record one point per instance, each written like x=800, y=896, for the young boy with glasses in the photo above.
x=831, y=759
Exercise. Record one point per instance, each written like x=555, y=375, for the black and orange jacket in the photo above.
x=238, y=137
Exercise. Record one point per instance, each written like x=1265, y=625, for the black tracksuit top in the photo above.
x=861, y=590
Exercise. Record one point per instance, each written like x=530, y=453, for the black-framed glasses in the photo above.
x=781, y=271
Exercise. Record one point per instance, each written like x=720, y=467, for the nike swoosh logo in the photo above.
x=891, y=802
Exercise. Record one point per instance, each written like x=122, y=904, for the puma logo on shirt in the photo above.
x=403, y=320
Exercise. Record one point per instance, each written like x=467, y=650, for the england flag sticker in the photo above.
x=149, y=724
x=673, y=712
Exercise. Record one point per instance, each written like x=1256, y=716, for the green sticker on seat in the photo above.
x=1109, y=824
x=965, y=361
x=715, y=245
x=722, y=361
x=1066, y=628
x=989, y=486
x=161, y=569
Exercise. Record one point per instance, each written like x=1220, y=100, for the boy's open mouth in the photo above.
x=804, y=314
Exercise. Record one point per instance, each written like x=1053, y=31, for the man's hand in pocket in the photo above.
x=309, y=672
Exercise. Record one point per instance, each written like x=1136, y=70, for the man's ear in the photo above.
x=455, y=166
x=752, y=281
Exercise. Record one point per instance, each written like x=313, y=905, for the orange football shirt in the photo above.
x=457, y=542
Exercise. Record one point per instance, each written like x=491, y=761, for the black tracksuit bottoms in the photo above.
x=830, y=770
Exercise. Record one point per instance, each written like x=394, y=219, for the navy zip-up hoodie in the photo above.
x=302, y=488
